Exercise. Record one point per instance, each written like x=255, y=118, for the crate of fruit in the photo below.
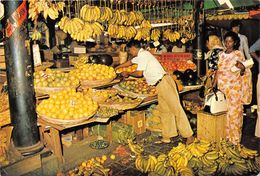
x=175, y=56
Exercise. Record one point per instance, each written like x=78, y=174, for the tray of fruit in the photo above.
x=106, y=112
x=94, y=75
x=99, y=96
x=136, y=88
x=50, y=81
x=67, y=107
x=121, y=103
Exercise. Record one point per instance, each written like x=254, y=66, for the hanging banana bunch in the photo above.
x=36, y=35
x=44, y=7
x=90, y=13
x=155, y=34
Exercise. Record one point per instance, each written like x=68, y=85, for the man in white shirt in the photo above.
x=235, y=27
x=173, y=117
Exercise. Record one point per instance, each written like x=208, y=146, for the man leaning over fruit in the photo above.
x=173, y=117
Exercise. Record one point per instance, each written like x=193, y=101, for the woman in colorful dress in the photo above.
x=237, y=86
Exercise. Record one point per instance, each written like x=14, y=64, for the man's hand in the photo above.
x=125, y=74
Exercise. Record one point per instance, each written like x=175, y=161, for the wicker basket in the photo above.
x=44, y=66
x=65, y=122
x=128, y=93
x=5, y=118
x=50, y=90
x=95, y=83
x=122, y=106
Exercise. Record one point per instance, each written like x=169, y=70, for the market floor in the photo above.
x=123, y=166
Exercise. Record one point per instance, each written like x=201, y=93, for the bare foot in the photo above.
x=189, y=140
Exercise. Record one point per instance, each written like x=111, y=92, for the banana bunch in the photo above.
x=253, y=166
x=90, y=13
x=71, y=26
x=131, y=18
x=162, y=167
x=171, y=36
x=143, y=33
x=145, y=164
x=105, y=14
x=146, y=24
x=47, y=8
x=113, y=30
x=137, y=149
x=36, y=35
x=97, y=29
x=130, y=32
x=199, y=148
x=155, y=34
x=139, y=17
x=83, y=59
x=247, y=153
x=84, y=34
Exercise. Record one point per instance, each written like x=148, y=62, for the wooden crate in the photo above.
x=135, y=119
x=211, y=127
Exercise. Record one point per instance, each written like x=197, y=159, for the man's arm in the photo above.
x=255, y=47
x=126, y=64
x=137, y=74
x=246, y=48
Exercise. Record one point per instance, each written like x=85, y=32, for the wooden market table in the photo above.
x=50, y=133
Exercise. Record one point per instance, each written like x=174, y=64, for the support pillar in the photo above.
x=199, y=40
x=19, y=69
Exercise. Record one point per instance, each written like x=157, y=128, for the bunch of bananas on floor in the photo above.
x=36, y=35
x=145, y=164
x=171, y=35
x=90, y=13
x=155, y=34
x=236, y=160
x=105, y=14
x=135, y=148
x=47, y=8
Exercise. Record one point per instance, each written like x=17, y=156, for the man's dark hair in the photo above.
x=235, y=23
x=235, y=37
x=134, y=43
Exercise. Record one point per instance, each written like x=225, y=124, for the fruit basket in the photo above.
x=50, y=90
x=44, y=66
x=121, y=103
x=96, y=83
x=99, y=96
x=66, y=121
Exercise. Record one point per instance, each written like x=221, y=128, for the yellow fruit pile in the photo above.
x=67, y=105
x=94, y=72
x=51, y=78
x=131, y=68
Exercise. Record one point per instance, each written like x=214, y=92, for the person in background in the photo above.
x=173, y=117
x=235, y=26
x=215, y=47
x=253, y=51
x=235, y=85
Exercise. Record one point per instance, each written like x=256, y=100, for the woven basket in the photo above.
x=95, y=83
x=5, y=117
x=121, y=106
x=128, y=93
x=65, y=122
x=44, y=66
x=50, y=90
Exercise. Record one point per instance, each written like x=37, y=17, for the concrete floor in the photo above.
x=122, y=166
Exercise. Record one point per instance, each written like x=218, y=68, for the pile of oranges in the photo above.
x=67, y=105
x=93, y=72
x=54, y=78
x=130, y=69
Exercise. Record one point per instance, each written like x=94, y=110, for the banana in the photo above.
x=138, y=150
x=36, y=35
x=160, y=169
x=170, y=171
x=147, y=165
x=185, y=171
x=138, y=163
x=153, y=162
x=212, y=155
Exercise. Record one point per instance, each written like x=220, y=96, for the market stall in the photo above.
x=76, y=87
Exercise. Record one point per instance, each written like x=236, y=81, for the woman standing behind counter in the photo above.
x=237, y=86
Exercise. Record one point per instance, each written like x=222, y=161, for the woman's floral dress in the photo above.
x=238, y=91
